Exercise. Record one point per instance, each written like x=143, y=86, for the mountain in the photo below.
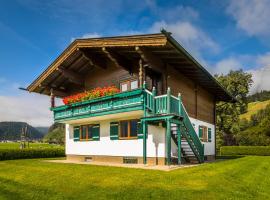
x=13, y=130
x=42, y=130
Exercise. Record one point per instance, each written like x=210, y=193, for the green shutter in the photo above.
x=96, y=132
x=200, y=132
x=209, y=134
x=76, y=133
x=139, y=130
x=114, y=127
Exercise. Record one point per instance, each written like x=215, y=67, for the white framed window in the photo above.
x=129, y=85
x=134, y=84
x=124, y=86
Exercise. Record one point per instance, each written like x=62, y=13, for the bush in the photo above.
x=11, y=154
x=245, y=150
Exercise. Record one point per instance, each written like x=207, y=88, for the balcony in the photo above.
x=117, y=103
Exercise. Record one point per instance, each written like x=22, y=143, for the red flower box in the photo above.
x=92, y=94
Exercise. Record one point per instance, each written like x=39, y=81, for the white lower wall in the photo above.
x=105, y=146
x=209, y=147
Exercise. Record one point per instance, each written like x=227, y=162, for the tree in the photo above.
x=237, y=84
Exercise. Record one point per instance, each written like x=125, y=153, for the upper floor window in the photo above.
x=129, y=85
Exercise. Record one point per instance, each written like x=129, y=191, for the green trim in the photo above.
x=168, y=142
x=76, y=133
x=110, y=97
x=139, y=107
x=209, y=134
x=179, y=144
x=114, y=130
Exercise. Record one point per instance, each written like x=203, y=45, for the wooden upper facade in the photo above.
x=155, y=58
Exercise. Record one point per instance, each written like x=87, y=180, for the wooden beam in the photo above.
x=72, y=76
x=54, y=90
x=94, y=61
x=154, y=62
x=118, y=60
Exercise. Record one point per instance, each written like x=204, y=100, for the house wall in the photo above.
x=198, y=102
x=106, y=77
x=107, y=147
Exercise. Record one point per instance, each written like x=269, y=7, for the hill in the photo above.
x=12, y=131
x=253, y=108
x=42, y=130
x=259, y=96
x=56, y=134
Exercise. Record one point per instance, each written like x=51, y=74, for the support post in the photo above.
x=168, y=141
x=52, y=98
x=179, y=143
x=141, y=73
x=145, y=129
x=180, y=103
x=154, y=92
x=169, y=100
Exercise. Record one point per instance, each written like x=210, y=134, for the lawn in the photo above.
x=243, y=178
x=16, y=145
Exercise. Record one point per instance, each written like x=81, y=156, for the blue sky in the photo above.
x=222, y=35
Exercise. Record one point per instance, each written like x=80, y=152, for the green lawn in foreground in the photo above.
x=16, y=145
x=244, y=178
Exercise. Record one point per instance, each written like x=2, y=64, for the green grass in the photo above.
x=16, y=145
x=253, y=108
x=243, y=178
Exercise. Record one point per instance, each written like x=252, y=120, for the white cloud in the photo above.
x=261, y=74
x=86, y=35
x=258, y=65
x=225, y=65
x=91, y=35
x=190, y=36
x=251, y=16
x=30, y=108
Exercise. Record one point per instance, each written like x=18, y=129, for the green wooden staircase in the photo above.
x=171, y=111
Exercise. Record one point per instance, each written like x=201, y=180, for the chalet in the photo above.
x=133, y=99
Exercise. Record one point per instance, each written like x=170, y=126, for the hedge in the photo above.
x=245, y=150
x=11, y=154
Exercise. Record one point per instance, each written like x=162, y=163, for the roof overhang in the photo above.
x=161, y=45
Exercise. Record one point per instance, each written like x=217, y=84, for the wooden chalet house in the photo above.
x=163, y=109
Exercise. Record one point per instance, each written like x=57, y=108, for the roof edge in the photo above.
x=183, y=50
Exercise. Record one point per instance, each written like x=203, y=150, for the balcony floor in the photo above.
x=116, y=116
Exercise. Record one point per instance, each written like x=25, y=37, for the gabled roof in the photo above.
x=161, y=45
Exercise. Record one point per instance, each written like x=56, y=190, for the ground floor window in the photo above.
x=89, y=132
x=205, y=134
x=128, y=129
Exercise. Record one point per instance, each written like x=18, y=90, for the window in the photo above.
x=134, y=84
x=129, y=85
x=124, y=86
x=203, y=134
x=89, y=132
x=128, y=129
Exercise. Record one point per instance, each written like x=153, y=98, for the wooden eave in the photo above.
x=161, y=46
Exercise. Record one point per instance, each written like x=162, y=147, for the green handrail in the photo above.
x=192, y=133
x=169, y=104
